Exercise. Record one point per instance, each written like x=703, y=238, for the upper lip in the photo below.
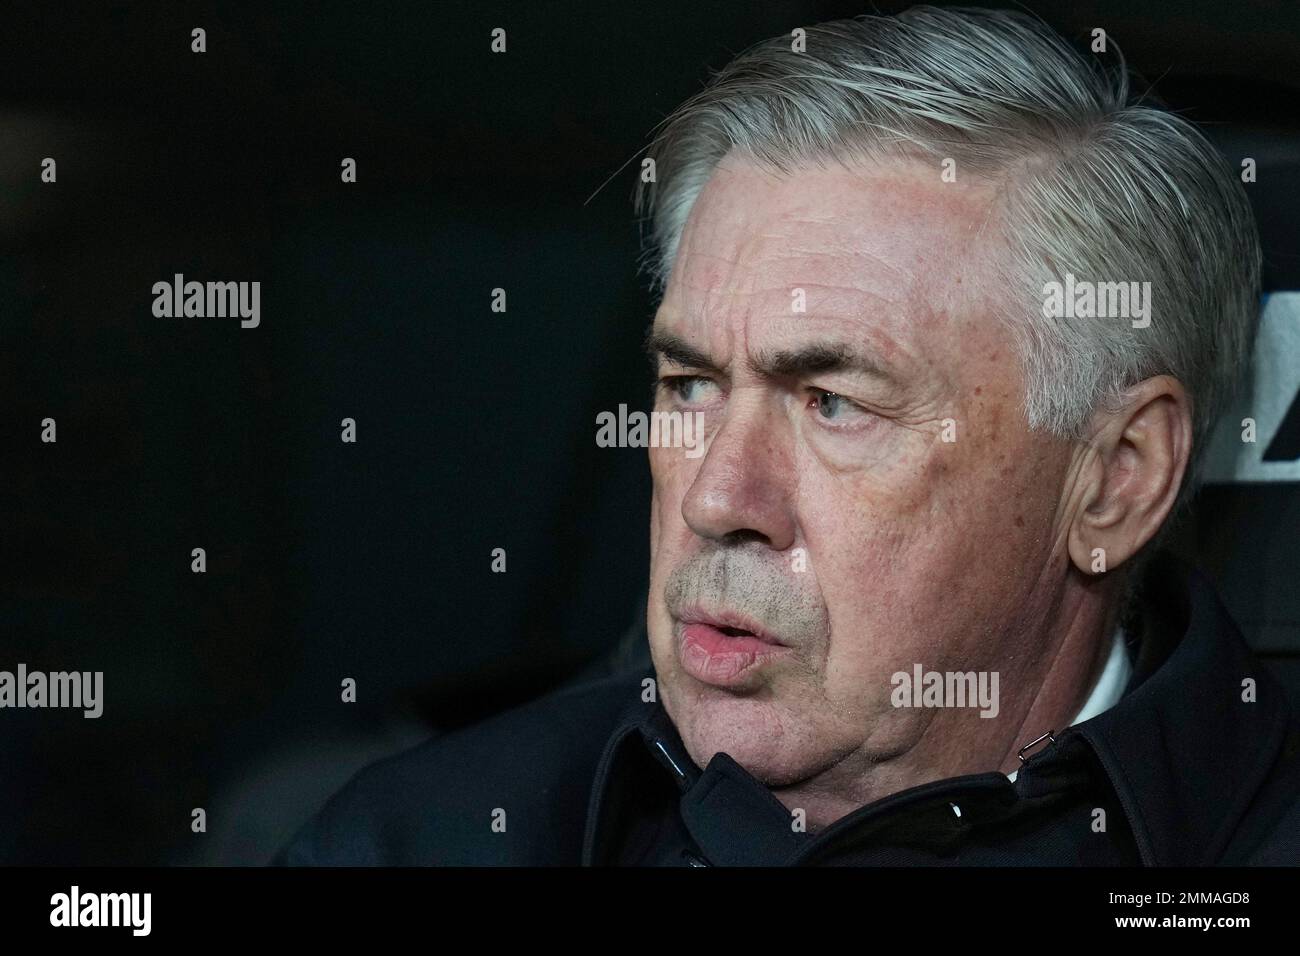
x=727, y=617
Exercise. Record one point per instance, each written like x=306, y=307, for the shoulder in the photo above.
x=1269, y=833
x=528, y=770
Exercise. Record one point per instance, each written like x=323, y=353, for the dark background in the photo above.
x=475, y=429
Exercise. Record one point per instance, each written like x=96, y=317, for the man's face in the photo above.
x=870, y=497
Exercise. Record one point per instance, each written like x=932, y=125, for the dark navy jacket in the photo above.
x=1184, y=770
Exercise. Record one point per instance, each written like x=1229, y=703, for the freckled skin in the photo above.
x=948, y=554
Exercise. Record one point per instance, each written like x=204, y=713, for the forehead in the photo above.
x=881, y=247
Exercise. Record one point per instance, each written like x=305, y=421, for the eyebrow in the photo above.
x=675, y=349
x=815, y=359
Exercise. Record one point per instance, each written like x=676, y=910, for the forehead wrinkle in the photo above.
x=845, y=276
x=839, y=229
x=833, y=271
x=831, y=227
x=831, y=301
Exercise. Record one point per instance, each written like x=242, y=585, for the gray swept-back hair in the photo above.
x=1094, y=181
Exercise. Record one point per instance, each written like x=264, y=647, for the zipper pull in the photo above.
x=1049, y=737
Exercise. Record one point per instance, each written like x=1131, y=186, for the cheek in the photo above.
x=1012, y=485
x=671, y=476
x=866, y=576
x=860, y=524
x=857, y=545
x=892, y=562
x=664, y=468
x=654, y=526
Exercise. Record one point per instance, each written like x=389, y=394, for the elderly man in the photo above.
x=958, y=310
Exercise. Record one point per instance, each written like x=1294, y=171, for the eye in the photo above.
x=687, y=389
x=835, y=408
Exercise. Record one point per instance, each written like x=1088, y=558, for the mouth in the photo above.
x=725, y=648
x=730, y=623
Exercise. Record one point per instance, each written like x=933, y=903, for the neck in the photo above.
x=1048, y=666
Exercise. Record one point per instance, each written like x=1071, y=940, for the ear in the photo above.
x=1133, y=469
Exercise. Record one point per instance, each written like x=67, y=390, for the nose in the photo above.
x=744, y=487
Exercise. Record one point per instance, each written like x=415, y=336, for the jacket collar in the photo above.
x=733, y=818
x=1183, y=751
x=1199, y=729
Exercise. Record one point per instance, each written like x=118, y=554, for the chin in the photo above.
x=753, y=733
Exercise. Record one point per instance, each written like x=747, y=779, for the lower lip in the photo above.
x=712, y=657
